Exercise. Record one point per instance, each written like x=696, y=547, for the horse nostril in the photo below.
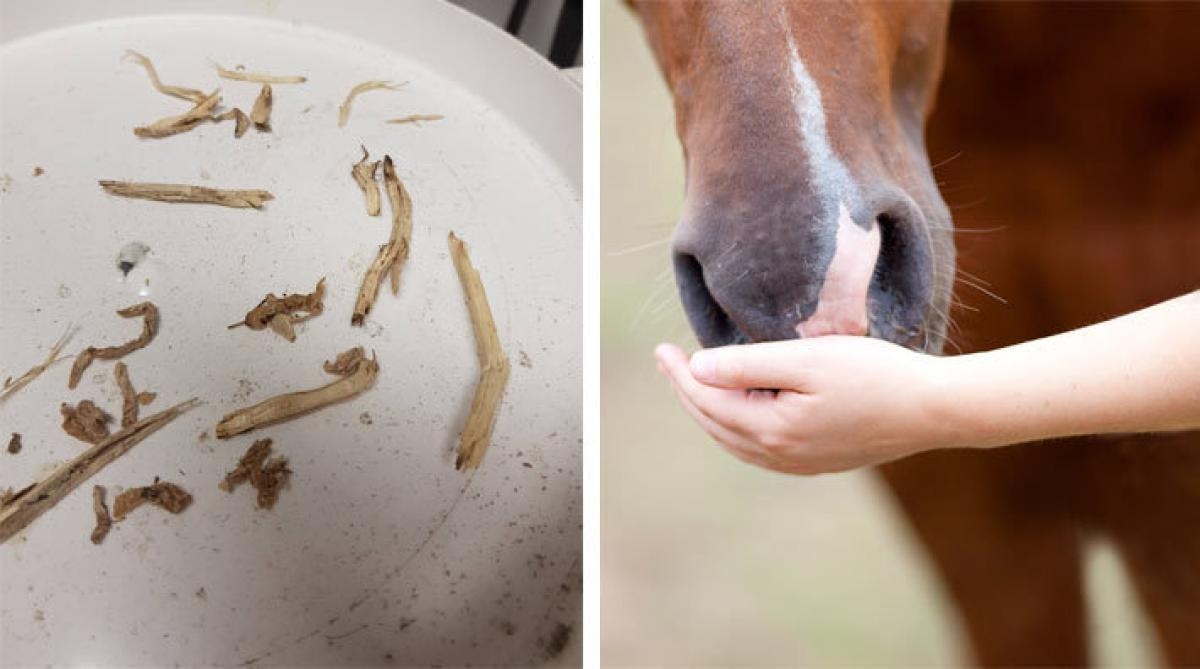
x=901, y=283
x=711, y=323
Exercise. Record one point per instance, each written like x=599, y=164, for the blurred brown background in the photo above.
x=706, y=561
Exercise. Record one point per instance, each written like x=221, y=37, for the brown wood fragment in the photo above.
x=344, y=110
x=149, y=314
x=103, y=519
x=173, y=125
x=240, y=120
x=364, y=175
x=11, y=386
x=239, y=199
x=130, y=399
x=85, y=421
x=27, y=505
x=239, y=74
x=291, y=405
x=268, y=477
x=493, y=363
x=391, y=256
x=189, y=94
x=281, y=313
x=261, y=113
x=416, y=119
x=162, y=494
x=14, y=443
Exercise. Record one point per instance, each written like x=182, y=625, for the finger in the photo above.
x=732, y=408
x=770, y=365
x=737, y=445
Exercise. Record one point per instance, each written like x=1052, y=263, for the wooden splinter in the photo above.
x=493, y=363
x=238, y=199
x=25, y=506
x=357, y=372
x=364, y=175
x=394, y=253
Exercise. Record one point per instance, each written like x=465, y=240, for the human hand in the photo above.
x=841, y=403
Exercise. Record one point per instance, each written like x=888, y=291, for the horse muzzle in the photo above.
x=749, y=279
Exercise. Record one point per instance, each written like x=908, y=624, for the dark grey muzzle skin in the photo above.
x=750, y=268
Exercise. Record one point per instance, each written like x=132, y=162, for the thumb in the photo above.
x=773, y=365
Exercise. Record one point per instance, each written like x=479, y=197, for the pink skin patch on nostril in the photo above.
x=842, y=303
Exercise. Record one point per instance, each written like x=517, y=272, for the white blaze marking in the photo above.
x=830, y=178
x=842, y=304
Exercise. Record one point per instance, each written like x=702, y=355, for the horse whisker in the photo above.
x=981, y=289
x=946, y=161
x=639, y=247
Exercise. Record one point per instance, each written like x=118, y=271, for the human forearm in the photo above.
x=1136, y=373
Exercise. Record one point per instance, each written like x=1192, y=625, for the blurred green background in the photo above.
x=706, y=561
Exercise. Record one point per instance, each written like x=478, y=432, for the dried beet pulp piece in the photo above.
x=130, y=399
x=11, y=386
x=493, y=364
x=103, y=520
x=357, y=373
x=149, y=314
x=25, y=506
x=162, y=494
x=267, y=477
x=281, y=313
x=391, y=256
x=85, y=421
x=238, y=199
x=344, y=110
x=364, y=175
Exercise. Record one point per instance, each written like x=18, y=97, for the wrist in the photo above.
x=958, y=414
